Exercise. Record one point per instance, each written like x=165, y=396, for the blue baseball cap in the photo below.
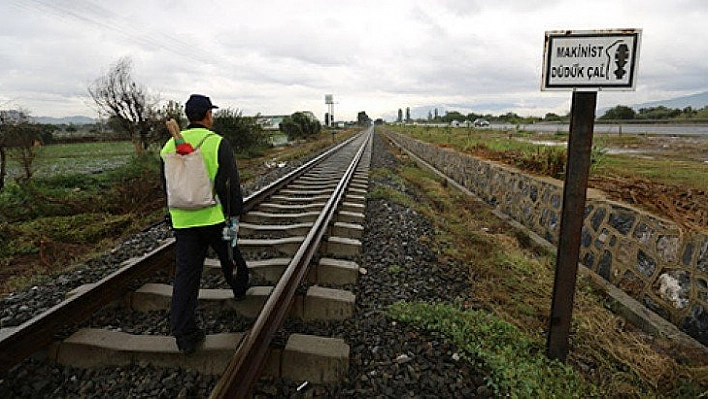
x=198, y=103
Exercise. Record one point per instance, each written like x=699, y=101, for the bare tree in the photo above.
x=118, y=95
x=170, y=110
x=3, y=153
x=26, y=145
x=20, y=137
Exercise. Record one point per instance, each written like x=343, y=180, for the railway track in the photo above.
x=300, y=236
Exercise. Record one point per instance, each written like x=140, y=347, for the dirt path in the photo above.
x=686, y=206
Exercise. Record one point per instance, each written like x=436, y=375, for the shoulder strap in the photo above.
x=202, y=140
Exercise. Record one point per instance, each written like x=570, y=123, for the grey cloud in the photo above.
x=321, y=44
x=462, y=7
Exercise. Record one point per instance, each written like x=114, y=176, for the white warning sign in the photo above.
x=601, y=60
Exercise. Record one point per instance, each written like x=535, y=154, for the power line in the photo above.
x=88, y=12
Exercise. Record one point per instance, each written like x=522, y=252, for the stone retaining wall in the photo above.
x=657, y=262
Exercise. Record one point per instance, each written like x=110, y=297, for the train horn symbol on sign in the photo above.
x=621, y=55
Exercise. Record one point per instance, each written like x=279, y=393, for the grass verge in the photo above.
x=515, y=363
x=503, y=327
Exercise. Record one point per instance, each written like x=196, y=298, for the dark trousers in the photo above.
x=192, y=245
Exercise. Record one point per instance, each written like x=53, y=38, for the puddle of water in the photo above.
x=644, y=153
x=611, y=151
x=547, y=143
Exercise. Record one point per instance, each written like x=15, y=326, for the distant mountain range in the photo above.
x=696, y=101
x=67, y=120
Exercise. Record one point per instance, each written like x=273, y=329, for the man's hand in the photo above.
x=231, y=231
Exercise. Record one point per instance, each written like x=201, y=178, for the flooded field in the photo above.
x=634, y=128
x=680, y=148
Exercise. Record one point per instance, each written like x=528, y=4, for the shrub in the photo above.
x=300, y=126
x=243, y=133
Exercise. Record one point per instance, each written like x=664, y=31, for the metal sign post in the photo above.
x=582, y=119
x=589, y=61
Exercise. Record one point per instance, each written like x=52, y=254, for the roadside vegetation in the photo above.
x=619, y=113
x=80, y=203
x=502, y=329
x=82, y=198
x=660, y=113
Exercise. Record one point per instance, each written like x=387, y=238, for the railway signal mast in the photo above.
x=584, y=62
x=329, y=118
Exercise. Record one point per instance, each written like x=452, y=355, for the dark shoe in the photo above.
x=189, y=343
x=240, y=287
x=240, y=292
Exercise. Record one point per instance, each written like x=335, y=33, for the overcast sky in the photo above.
x=278, y=57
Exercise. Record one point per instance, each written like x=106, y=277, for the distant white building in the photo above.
x=272, y=122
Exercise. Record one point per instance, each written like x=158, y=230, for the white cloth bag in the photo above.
x=188, y=184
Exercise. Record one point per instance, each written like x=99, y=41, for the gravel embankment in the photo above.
x=387, y=359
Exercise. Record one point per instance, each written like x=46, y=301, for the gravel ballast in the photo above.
x=387, y=358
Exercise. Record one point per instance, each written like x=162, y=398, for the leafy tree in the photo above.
x=472, y=116
x=408, y=114
x=400, y=116
x=115, y=125
x=619, y=112
x=173, y=110
x=119, y=96
x=156, y=123
x=244, y=134
x=702, y=113
x=299, y=125
x=430, y=115
x=551, y=117
x=362, y=119
x=659, y=112
x=453, y=116
x=510, y=117
x=688, y=112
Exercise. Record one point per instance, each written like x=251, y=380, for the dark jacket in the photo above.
x=226, y=178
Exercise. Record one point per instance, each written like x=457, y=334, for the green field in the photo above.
x=66, y=159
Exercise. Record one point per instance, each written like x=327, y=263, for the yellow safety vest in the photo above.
x=211, y=215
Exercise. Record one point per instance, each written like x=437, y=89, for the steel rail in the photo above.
x=251, y=201
x=18, y=343
x=24, y=340
x=250, y=357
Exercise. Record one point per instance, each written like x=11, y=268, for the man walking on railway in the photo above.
x=198, y=227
